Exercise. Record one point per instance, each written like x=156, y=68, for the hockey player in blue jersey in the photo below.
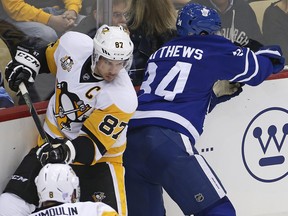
x=173, y=102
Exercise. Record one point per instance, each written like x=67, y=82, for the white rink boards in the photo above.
x=252, y=167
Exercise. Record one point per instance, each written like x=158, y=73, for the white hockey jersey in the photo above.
x=78, y=209
x=86, y=108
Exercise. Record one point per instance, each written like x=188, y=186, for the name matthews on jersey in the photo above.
x=58, y=211
x=177, y=51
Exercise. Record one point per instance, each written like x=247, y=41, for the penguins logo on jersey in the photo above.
x=68, y=107
x=98, y=196
x=105, y=30
x=199, y=197
x=66, y=63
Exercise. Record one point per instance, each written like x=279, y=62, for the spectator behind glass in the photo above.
x=239, y=23
x=46, y=20
x=5, y=99
x=151, y=23
x=179, y=3
x=59, y=190
x=88, y=24
x=275, y=25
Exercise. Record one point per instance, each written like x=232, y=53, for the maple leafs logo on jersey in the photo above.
x=205, y=12
x=66, y=63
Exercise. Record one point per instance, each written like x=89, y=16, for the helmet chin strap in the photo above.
x=95, y=75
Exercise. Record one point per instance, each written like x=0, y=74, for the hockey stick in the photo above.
x=33, y=112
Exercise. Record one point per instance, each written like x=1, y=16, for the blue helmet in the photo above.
x=196, y=19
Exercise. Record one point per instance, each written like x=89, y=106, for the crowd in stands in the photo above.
x=275, y=25
x=43, y=19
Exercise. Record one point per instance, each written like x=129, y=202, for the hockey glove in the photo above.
x=223, y=90
x=63, y=152
x=24, y=68
x=274, y=53
x=225, y=87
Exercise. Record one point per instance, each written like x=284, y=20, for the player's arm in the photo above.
x=100, y=131
x=261, y=64
x=269, y=58
x=275, y=55
x=225, y=88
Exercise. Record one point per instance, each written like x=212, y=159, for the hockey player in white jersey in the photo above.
x=86, y=118
x=58, y=190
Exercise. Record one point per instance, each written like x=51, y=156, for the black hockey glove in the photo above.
x=62, y=152
x=274, y=53
x=252, y=44
x=23, y=68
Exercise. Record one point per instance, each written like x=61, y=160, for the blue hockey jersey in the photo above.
x=180, y=75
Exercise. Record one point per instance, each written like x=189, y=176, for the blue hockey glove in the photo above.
x=23, y=68
x=5, y=99
x=274, y=53
x=62, y=152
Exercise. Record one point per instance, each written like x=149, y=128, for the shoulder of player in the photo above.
x=76, y=39
x=123, y=76
x=121, y=93
x=122, y=82
x=74, y=46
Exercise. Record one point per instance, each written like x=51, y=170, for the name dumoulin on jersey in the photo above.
x=78, y=209
x=84, y=106
x=180, y=75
